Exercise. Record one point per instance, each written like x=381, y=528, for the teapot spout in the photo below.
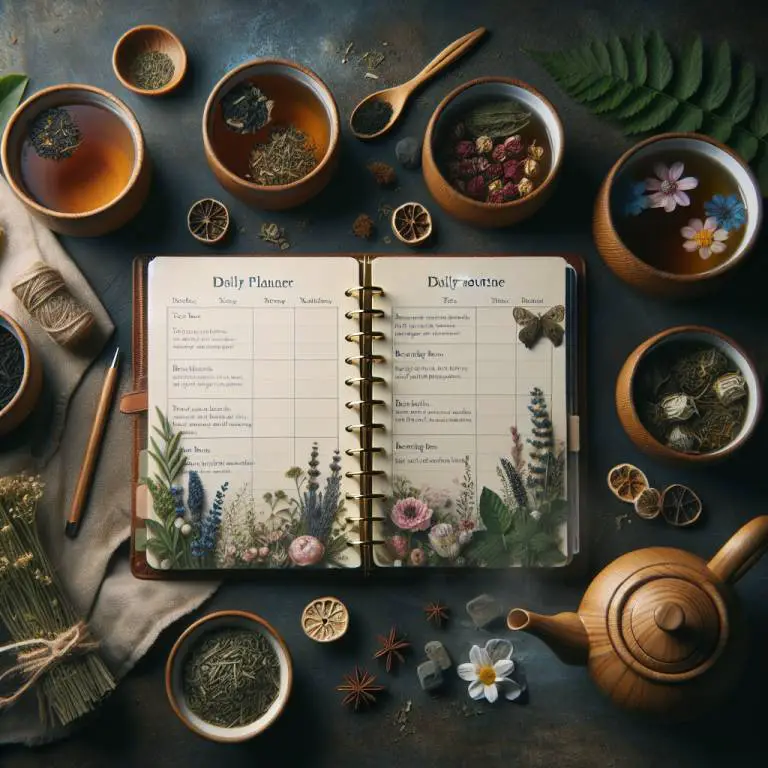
x=564, y=633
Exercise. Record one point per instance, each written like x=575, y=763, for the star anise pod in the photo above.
x=391, y=647
x=360, y=688
x=437, y=613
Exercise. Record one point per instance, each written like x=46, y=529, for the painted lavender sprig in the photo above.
x=205, y=542
x=195, y=496
x=542, y=442
x=320, y=522
x=514, y=482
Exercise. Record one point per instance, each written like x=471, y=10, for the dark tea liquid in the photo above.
x=654, y=235
x=94, y=175
x=295, y=104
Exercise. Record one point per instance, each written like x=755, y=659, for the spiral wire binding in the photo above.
x=364, y=381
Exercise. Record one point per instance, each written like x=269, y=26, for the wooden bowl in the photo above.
x=100, y=220
x=628, y=265
x=319, y=121
x=148, y=37
x=28, y=393
x=625, y=393
x=466, y=209
x=175, y=666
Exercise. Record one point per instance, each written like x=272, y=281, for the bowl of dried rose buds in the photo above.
x=492, y=150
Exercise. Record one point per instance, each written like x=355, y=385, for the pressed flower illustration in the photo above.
x=668, y=189
x=634, y=199
x=727, y=210
x=411, y=514
x=489, y=670
x=704, y=237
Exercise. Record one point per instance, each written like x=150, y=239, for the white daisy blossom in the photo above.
x=704, y=237
x=489, y=669
x=668, y=190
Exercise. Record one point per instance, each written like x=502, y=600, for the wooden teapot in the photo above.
x=659, y=629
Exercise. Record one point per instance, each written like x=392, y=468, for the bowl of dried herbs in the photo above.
x=21, y=375
x=271, y=133
x=492, y=150
x=229, y=676
x=689, y=394
x=149, y=60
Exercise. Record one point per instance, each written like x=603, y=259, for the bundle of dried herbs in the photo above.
x=54, y=134
x=245, y=108
x=695, y=398
x=151, y=70
x=11, y=366
x=231, y=677
x=54, y=652
x=288, y=156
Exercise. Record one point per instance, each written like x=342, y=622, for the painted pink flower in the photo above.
x=306, y=550
x=411, y=515
x=669, y=189
x=249, y=555
x=263, y=552
x=418, y=557
x=704, y=237
x=398, y=546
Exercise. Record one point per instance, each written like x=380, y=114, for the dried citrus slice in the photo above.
x=648, y=503
x=680, y=505
x=412, y=223
x=325, y=619
x=627, y=482
x=208, y=220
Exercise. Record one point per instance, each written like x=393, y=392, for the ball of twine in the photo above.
x=44, y=294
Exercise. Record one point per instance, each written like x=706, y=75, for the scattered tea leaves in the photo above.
x=274, y=234
x=152, y=70
x=54, y=134
x=288, y=156
x=246, y=109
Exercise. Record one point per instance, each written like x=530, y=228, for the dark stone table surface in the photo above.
x=565, y=721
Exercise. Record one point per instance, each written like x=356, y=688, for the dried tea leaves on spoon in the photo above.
x=54, y=134
x=151, y=70
x=288, y=156
x=246, y=109
x=231, y=677
x=372, y=117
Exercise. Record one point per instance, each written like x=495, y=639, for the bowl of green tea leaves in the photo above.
x=229, y=676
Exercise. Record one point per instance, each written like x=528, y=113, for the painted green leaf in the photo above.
x=718, y=80
x=742, y=96
x=660, y=65
x=688, y=76
x=638, y=61
x=653, y=116
x=618, y=57
x=12, y=89
x=494, y=512
x=758, y=124
x=488, y=549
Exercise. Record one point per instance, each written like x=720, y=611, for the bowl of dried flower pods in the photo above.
x=689, y=394
x=21, y=375
x=492, y=150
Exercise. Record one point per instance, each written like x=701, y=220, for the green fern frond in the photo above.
x=170, y=459
x=640, y=85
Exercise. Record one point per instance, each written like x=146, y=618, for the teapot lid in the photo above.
x=668, y=623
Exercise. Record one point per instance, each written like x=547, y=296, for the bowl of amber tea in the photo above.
x=676, y=212
x=491, y=151
x=271, y=133
x=229, y=676
x=75, y=156
x=689, y=394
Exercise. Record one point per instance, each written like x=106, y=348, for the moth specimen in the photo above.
x=534, y=326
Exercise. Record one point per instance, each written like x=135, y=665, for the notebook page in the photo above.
x=465, y=486
x=246, y=364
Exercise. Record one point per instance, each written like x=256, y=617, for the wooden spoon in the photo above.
x=398, y=95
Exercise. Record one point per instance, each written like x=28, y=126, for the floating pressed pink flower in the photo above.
x=411, y=515
x=669, y=189
x=704, y=237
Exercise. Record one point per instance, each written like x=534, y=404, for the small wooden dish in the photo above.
x=202, y=221
x=412, y=224
x=175, y=665
x=632, y=269
x=461, y=206
x=625, y=393
x=28, y=393
x=149, y=37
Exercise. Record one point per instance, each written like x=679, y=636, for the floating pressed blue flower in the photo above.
x=728, y=211
x=633, y=199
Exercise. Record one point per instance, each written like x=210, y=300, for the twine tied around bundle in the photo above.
x=44, y=294
x=33, y=664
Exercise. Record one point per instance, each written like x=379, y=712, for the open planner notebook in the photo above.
x=351, y=411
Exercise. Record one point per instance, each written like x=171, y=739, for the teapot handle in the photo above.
x=741, y=551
